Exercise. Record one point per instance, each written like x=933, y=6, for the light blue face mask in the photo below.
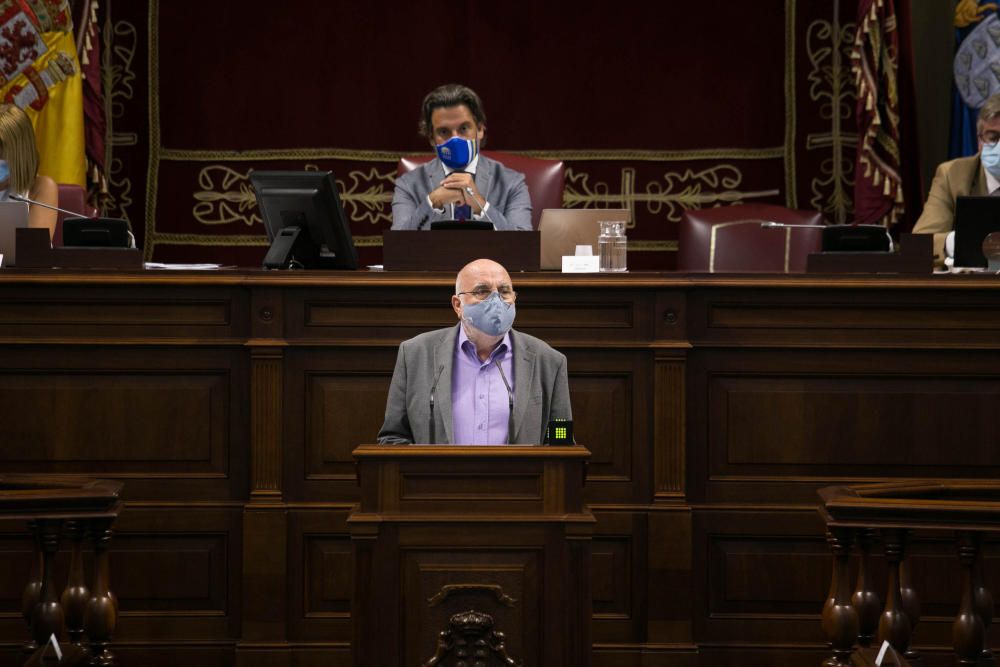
x=990, y=157
x=493, y=316
x=458, y=153
x=4, y=179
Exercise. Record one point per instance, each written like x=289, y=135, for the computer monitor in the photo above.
x=304, y=219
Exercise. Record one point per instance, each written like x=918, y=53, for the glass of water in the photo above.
x=611, y=246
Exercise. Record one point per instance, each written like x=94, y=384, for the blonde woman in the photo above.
x=19, y=168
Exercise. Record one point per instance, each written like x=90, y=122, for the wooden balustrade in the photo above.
x=890, y=512
x=82, y=617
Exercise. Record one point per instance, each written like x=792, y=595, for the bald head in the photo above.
x=481, y=271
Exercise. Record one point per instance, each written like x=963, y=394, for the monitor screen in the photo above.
x=304, y=219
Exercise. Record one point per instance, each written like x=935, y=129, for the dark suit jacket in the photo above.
x=424, y=363
x=504, y=189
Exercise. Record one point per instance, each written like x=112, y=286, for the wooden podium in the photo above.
x=471, y=553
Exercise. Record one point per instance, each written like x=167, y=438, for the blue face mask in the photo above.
x=493, y=316
x=4, y=179
x=458, y=153
x=990, y=157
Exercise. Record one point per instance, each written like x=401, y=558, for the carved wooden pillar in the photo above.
x=668, y=455
x=840, y=620
x=76, y=594
x=33, y=589
x=894, y=625
x=968, y=633
x=865, y=600
x=911, y=601
x=265, y=424
x=983, y=598
x=47, y=616
x=101, y=615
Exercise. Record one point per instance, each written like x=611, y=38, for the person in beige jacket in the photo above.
x=977, y=174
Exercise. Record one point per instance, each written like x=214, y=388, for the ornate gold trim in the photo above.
x=830, y=87
x=733, y=223
x=679, y=191
x=242, y=240
x=652, y=246
x=253, y=240
x=791, y=196
x=152, y=173
x=186, y=155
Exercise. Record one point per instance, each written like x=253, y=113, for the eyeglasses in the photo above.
x=990, y=138
x=483, y=292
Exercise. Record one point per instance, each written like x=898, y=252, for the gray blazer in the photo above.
x=541, y=390
x=504, y=189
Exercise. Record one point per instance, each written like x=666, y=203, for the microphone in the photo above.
x=482, y=207
x=437, y=376
x=124, y=224
x=48, y=206
x=510, y=401
x=769, y=224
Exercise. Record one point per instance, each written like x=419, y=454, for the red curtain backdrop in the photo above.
x=659, y=107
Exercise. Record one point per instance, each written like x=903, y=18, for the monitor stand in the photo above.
x=290, y=246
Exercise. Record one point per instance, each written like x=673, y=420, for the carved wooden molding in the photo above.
x=469, y=640
x=448, y=590
x=265, y=423
x=669, y=462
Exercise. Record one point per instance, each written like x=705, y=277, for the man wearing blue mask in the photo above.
x=460, y=183
x=978, y=174
x=479, y=382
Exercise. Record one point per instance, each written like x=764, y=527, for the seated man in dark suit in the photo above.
x=460, y=183
x=478, y=382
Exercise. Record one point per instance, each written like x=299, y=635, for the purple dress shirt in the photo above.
x=480, y=403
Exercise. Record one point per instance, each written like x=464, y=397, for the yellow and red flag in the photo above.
x=40, y=72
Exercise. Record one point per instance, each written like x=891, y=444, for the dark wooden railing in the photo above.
x=81, y=510
x=860, y=515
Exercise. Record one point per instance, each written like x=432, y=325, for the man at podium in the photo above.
x=460, y=183
x=479, y=382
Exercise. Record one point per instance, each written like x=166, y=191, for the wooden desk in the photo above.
x=714, y=407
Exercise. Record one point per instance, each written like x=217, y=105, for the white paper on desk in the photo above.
x=580, y=264
x=184, y=267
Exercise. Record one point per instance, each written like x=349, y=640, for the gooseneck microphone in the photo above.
x=48, y=206
x=482, y=210
x=510, y=402
x=437, y=376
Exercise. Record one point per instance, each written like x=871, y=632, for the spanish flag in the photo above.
x=40, y=72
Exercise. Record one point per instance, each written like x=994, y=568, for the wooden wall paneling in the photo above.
x=579, y=316
x=618, y=575
x=334, y=401
x=612, y=397
x=177, y=573
x=363, y=315
x=124, y=312
x=671, y=574
x=264, y=583
x=319, y=576
x=762, y=572
x=874, y=312
x=780, y=424
x=170, y=422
